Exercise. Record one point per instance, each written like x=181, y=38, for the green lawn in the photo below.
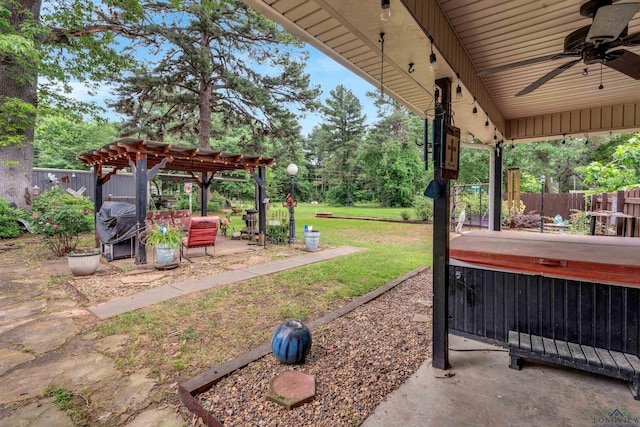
x=196, y=332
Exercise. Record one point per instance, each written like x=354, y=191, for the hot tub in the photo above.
x=583, y=289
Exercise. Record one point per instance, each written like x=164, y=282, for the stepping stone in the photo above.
x=112, y=343
x=292, y=389
x=41, y=336
x=11, y=358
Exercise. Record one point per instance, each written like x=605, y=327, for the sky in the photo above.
x=327, y=73
x=323, y=71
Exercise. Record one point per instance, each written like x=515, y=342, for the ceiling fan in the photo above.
x=593, y=44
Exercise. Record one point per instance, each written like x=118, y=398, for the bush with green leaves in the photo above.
x=423, y=208
x=8, y=221
x=578, y=222
x=60, y=218
x=278, y=228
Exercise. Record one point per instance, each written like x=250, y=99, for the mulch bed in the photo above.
x=357, y=360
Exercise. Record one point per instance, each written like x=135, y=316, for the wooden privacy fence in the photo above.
x=617, y=213
x=554, y=204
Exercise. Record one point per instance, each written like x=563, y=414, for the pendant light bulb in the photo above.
x=385, y=15
x=486, y=122
x=474, y=111
x=458, y=88
x=433, y=62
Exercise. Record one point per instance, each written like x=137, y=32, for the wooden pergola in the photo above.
x=146, y=158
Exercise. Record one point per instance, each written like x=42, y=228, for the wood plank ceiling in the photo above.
x=469, y=37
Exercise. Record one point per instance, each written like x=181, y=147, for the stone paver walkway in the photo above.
x=43, y=343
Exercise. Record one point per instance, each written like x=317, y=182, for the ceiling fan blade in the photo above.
x=610, y=21
x=527, y=62
x=625, y=62
x=631, y=40
x=542, y=80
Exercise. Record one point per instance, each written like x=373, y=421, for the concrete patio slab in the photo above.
x=485, y=392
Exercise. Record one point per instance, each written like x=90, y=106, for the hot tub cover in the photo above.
x=600, y=259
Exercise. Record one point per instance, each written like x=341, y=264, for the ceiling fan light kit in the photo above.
x=592, y=44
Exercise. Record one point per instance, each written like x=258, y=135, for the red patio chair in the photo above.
x=202, y=232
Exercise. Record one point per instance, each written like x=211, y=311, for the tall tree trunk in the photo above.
x=204, y=120
x=18, y=83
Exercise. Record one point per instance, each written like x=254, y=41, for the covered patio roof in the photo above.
x=120, y=153
x=469, y=38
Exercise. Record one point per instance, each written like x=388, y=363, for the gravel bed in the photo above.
x=357, y=360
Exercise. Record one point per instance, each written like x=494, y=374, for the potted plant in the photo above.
x=84, y=263
x=165, y=239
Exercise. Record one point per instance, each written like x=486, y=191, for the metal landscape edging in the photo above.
x=188, y=390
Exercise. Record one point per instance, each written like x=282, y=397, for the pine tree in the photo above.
x=342, y=133
x=215, y=60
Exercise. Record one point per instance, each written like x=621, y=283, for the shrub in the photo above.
x=183, y=203
x=278, y=228
x=405, y=215
x=423, y=208
x=578, y=222
x=8, y=221
x=213, y=206
x=60, y=218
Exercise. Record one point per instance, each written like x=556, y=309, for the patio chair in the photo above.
x=201, y=232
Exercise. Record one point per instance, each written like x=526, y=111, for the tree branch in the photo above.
x=63, y=36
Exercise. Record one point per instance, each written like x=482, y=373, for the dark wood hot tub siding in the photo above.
x=489, y=303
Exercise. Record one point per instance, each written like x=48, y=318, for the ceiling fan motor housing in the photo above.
x=589, y=9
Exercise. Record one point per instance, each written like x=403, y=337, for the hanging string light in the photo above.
x=474, y=111
x=381, y=64
x=458, y=88
x=433, y=62
x=385, y=15
x=486, y=122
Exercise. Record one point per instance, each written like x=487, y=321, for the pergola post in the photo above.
x=495, y=188
x=140, y=174
x=262, y=208
x=97, y=201
x=441, y=233
x=261, y=195
x=204, y=190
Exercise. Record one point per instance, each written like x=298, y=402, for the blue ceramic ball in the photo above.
x=291, y=342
